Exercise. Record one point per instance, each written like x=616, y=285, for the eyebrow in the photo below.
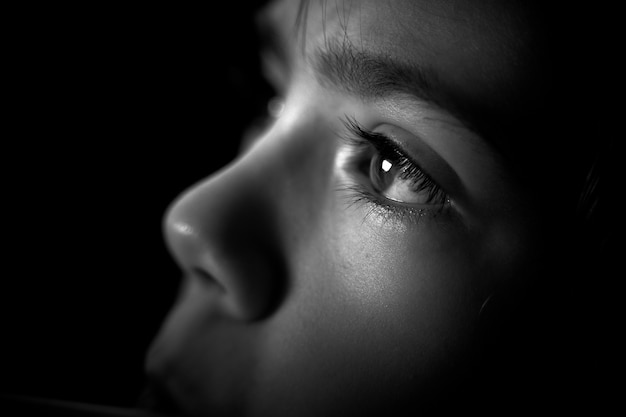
x=370, y=75
x=373, y=75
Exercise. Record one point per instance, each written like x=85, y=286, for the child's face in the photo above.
x=340, y=264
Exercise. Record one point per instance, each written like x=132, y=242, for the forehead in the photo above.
x=484, y=54
x=477, y=47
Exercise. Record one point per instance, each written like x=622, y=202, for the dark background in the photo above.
x=112, y=112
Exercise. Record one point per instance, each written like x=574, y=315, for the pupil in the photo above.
x=382, y=173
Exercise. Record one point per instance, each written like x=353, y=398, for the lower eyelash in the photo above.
x=384, y=210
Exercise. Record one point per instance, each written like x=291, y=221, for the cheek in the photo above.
x=417, y=285
x=370, y=307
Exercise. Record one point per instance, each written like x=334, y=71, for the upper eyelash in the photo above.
x=410, y=170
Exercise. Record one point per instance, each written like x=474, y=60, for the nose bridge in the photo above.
x=235, y=199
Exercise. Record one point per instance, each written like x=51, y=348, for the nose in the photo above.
x=222, y=231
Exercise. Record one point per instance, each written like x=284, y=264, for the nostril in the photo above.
x=206, y=278
x=230, y=259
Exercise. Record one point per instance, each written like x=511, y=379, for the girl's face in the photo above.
x=341, y=262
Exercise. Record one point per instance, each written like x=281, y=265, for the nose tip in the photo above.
x=185, y=244
x=216, y=235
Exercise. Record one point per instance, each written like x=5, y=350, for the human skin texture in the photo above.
x=321, y=275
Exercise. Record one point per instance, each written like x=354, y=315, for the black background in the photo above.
x=111, y=112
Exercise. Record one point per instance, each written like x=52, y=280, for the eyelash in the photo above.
x=363, y=139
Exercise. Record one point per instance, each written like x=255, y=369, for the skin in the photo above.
x=300, y=298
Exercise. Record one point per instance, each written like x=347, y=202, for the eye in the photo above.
x=390, y=174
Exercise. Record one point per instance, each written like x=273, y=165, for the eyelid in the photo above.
x=429, y=161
